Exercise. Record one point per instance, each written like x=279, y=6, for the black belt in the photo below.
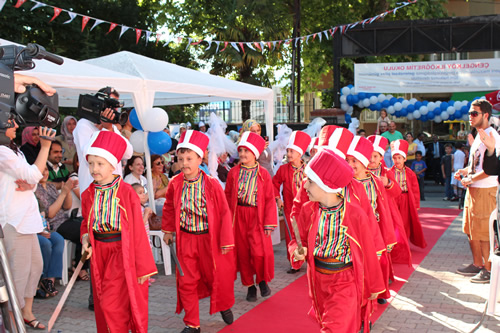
x=108, y=237
x=245, y=205
x=195, y=232
x=330, y=266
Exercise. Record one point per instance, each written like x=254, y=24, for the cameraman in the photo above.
x=83, y=132
x=19, y=215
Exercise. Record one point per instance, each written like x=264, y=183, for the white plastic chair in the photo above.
x=494, y=296
x=165, y=251
x=69, y=250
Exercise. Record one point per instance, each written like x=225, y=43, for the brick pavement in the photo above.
x=435, y=299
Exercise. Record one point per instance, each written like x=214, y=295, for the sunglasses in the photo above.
x=159, y=163
x=474, y=114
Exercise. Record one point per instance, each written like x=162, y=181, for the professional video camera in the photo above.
x=90, y=107
x=33, y=107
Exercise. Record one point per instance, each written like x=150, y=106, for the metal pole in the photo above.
x=337, y=51
x=297, y=8
x=291, y=111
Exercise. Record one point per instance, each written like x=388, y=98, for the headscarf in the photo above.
x=68, y=137
x=246, y=127
x=27, y=136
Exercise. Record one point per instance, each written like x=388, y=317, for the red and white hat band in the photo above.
x=399, y=147
x=379, y=143
x=361, y=150
x=248, y=140
x=192, y=140
x=339, y=141
x=329, y=171
x=299, y=141
x=107, y=145
x=315, y=178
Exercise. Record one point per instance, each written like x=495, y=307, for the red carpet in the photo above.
x=286, y=311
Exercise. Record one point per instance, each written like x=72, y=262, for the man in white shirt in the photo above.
x=480, y=199
x=420, y=143
x=82, y=134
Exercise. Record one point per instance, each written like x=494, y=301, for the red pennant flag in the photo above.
x=225, y=46
x=138, y=33
x=57, y=11
x=314, y=36
x=257, y=45
x=279, y=44
x=241, y=45
x=332, y=32
x=198, y=42
x=157, y=38
x=111, y=27
x=269, y=45
x=288, y=42
x=85, y=20
x=19, y=3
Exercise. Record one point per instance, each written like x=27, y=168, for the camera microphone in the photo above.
x=36, y=51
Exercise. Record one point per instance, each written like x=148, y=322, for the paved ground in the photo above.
x=435, y=299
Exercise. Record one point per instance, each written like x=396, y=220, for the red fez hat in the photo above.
x=361, y=149
x=253, y=142
x=399, y=147
x=329, y=171
x=379, y=143
x=336, y=138
x=194, y=140
x=299, y=141
x=107, y=145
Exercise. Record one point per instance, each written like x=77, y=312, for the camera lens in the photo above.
x=122, y=117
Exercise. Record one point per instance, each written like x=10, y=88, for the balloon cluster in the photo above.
x=154, y=121
x=400, y=107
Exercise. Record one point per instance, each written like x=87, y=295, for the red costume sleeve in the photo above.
x=230, y=184
x=85, y=200
x=168, y=217
x=278, y=179
x=270, y=210
x=393, y=188
x=225, y=217
x=412, y=183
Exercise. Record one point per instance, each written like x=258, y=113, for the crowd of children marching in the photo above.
x=340, y=202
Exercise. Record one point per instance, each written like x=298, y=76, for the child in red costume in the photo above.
x=196, y=211
x=250, y=195
x=400, y=253
x=343, y=270
x=358, y=157
x=113, y=231
x=290, y=175
x=408, y=202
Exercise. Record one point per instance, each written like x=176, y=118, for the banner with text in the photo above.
x=428, y=77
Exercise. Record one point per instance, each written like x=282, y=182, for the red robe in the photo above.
x=266, y=206
x=408, y=204
x=136, y=253
x=284, y=176
x=368, y=275
x=221, y=234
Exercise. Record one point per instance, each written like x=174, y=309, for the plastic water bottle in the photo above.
x=44, y=221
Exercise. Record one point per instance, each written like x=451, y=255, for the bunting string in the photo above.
x=239, y=46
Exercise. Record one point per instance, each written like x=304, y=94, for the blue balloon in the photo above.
x=424, y=117
x=418, y=104
x=451, y=102
x=425, y=103
x=477, y=97
x=349, y=100
x=464, y=109
x=452, y=117
x=159, y=142
x=378, y=106
x=347, y=118
x=350, y=86
x=410, y=108
x=355, y=99
x=393, y=101
x=444, y=106
x=401, y=99
x=134, y=120
x=362, y=95
x=397, y=114
x=457, y=114
x=386, y=104
x=430, y=115
x=373, y=107
x=404, y=112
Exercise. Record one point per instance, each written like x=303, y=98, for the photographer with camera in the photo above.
x=19, y=215
x=98, y=112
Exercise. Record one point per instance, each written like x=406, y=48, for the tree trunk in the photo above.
x=245, y=110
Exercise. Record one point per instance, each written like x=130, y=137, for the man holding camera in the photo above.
x=83, y=132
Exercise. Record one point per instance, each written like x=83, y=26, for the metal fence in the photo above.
x=231, y=111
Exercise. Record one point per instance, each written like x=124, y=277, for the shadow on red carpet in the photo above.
x=286, y=311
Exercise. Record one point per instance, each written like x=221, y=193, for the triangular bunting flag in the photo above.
x=85, y=20
x=279, y=44
x=225, y=46
x=148, y=34
x=269, y=45
x=179, y=39
x=326, y=34
x=257, y=45
x=189, y=43
x=37, y=5
x=296, y=41
x=124, y=28
x=138, y=33
x=307, y=39
x=96, y=23
x=157, y=38
x=242, y=47
x=314, y=36
x=209, y=44
x=57, y=11
x=198, y=42
x=233, y=44
x=71, y=17
x=319, y=36
x=2, y=3
x=217, y=50
x=274, y=45
x=19, y=3
x=262, y=46
x=331, y=32
x=250, y=46
x=111, y=27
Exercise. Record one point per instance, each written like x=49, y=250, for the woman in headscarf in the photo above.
x=266, y=158
x=66, y=140
x=30, y=143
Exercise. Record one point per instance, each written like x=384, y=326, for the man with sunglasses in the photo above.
x=481, y=192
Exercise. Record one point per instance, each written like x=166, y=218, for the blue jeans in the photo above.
x=52, y=252
x=448, y=188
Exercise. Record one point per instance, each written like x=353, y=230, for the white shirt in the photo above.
x=81, y=136
x=420, y=146
x=458, y=160
x=75, y=203
x=18, y=208
x=476, y=156
x=130, y=179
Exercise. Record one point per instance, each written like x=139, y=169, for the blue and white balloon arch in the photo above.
x=400, y=107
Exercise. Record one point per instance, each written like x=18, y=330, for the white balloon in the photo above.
x=366, y=102
x=353, y=91
x=413, y=101
x=398, y=106
x=424, y=110
x=445, y=115
x=373, y=99
x=381, y=98
x=388, y=96
x=437, y=119
x=483, y=97
x=416, y=114
x=137, y=141
x=431, y=106
x=361, y=105
x=465, y=117
x=457, y=105
x=343, y=99
x=391, y=110
x=409, y=116
x=344, y=106
x=155, y=120
x=405, y=103
x=438, y=104
x=350, y=110
x=450, y=110
x=345, y=91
